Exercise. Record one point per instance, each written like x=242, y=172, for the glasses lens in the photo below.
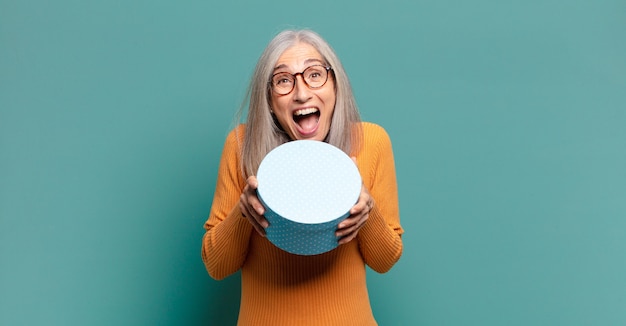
x=315, y=76
x=282, y=83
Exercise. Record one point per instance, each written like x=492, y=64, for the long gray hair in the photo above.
x=262, y=131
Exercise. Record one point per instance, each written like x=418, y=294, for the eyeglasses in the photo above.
x=315, y=76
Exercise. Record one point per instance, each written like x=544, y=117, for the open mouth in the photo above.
x=307, y=119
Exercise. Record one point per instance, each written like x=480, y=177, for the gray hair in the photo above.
x=263, y=133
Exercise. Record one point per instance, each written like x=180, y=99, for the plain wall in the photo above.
x=507, y=119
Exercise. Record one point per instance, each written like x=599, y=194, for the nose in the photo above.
x=301, y=92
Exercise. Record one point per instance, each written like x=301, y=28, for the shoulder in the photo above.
x=375, y=142
x=233, y=144
x=374, y=133
x=236, y=135
x=372, y=128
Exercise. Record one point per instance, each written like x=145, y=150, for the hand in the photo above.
x=359, y=213
x=251, y=207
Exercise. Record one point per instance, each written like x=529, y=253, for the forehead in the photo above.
x=298, y=56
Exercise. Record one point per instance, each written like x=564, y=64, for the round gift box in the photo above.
x=307, y=187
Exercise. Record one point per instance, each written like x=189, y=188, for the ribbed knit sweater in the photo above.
x=279, y=288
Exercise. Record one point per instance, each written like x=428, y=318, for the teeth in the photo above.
x=305, y=111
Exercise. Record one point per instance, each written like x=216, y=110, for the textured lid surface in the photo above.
x=308, y=182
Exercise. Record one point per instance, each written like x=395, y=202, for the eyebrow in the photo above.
x=307, y=61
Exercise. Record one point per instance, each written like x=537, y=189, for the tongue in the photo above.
x=308, y=122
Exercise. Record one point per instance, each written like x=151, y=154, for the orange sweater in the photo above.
x=279, y=288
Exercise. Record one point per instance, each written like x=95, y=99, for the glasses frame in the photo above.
x=328, y=68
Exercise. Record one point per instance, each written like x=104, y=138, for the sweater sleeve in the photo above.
x=380, y=238
x=225, y=243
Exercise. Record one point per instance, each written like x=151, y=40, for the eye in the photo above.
x=314, y=73
x=283, y=79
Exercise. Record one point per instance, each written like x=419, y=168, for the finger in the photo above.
x=257, y=210
x=253, y=207
x=259, y=229
x=352, y=226
x=346, y=232
x=362, y=207
x=249, y=195
x=359, y=208
x=252, y=198
x=348, y=223
x=252, y=182
x=251, y=203
x=251, y=219
x=347, y=238
x=255, y=203
x=351, y=233
x=364, y=204
x=364, y=200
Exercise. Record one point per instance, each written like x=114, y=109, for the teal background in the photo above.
x=507, y=118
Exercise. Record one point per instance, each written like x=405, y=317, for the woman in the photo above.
x=299, y=90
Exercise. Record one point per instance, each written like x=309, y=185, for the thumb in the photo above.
x=252, y=182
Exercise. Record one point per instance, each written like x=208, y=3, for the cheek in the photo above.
x=273, y=102
x=331, y=97
x=279, y=107
x=276, y=107
x=330, y=101
x=280, y=112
